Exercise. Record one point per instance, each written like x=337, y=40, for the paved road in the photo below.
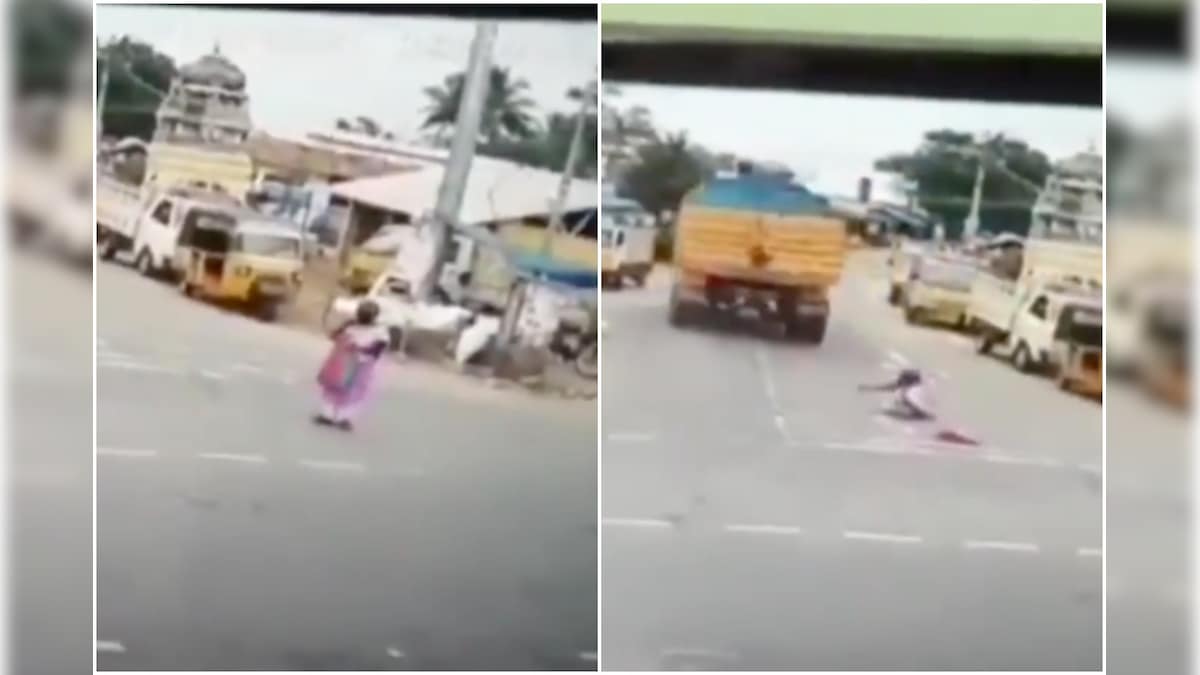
x=454, y=529
x=50, y=413
x=759, y=514
x=1149, y=536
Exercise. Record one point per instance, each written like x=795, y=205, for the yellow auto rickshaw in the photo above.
x=240, y=258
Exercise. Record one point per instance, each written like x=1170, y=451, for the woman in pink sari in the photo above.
x=345, y=378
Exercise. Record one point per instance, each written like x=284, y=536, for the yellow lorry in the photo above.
x=757, y=245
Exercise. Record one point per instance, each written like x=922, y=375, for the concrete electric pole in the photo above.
x=462, y=151
x=587, y=98
x=971, y=224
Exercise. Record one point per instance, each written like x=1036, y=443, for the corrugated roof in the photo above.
x=496, y=191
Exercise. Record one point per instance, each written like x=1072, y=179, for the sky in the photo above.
x=1146, y=91
x=830, y=140
x=304, y=70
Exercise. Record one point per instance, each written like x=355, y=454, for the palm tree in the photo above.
x=507, y=112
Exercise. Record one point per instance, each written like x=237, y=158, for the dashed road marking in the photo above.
x=636, y=522
x=631, y=437
x=782, y=426
x=1011, y=546
x=587, y=656
x=127, y=453
x=213, y=375
x=764, y=529
x=1089, y=553
x=899, y=359
x=333, y=465
x=110, y=647
x=396, y=653
x=139, y=366
x=887, y=537
x=233, y=457
x=698, y=653
x=948, y=451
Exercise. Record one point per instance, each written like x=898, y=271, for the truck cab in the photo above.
x=627, y=237
x=1058, y=329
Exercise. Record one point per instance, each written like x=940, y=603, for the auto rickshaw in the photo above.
x=1078, y=349
x=239, y=258
x=1164, y=366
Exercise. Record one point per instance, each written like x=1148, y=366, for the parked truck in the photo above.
x=627, y=239
x=127, y=211
x=1050, y=319
x=757, y=245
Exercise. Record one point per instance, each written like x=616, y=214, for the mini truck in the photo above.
x=627, y=237
x=760, y=245
x=1050, y=319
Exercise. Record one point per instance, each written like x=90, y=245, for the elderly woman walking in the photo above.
x=345, y=377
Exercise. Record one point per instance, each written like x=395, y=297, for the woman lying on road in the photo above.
x=912, y=403
x=345, y=377
x=915, y=403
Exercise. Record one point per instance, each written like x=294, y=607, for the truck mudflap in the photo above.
x=804, y=311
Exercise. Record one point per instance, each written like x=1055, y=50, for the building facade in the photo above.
x=207, y=104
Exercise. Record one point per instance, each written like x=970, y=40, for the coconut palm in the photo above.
x=507, y=112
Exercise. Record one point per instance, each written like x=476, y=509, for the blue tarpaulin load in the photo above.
x=767, y=194
x=545, y=267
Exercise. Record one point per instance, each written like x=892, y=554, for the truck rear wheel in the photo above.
x=145, y=263
x=912, y=314
x=1021, y=358
x=107, y=246
x=805, y=329
x=983, y=340
x=679, y=313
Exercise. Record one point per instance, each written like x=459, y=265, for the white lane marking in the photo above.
x=631, y=437
x=587, y=656
x=891, y=538
x=1089, y=553
x=1011, y=546
x=764, y=529
x=233, y=457
x=764, y=370
x=1090, y=468
x=635, y=522
x=395, y=653
x=888, y=365
x=1047, y=462
x=247, y=368
x=110, y=646
x=124, y=452
x=333, y=465
x=213, y=375
x=698, y=653
x=103, y=354
x=899, y=359
x=139, y=366
x=782, y=427
x=949, y=451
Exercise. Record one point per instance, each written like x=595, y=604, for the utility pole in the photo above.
x=462, y=151
x=587, y=100
x=971, y=224
x=100, y=99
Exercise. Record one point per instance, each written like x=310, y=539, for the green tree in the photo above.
x=138, y=78
x=944, y=167
x=49, y=36
x=664, y=171
x=507, y=112
x=1118, y=137
x=549, y=146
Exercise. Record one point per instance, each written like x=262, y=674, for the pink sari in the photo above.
x=346, y=375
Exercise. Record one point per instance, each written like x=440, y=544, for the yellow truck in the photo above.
x=761, y=246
